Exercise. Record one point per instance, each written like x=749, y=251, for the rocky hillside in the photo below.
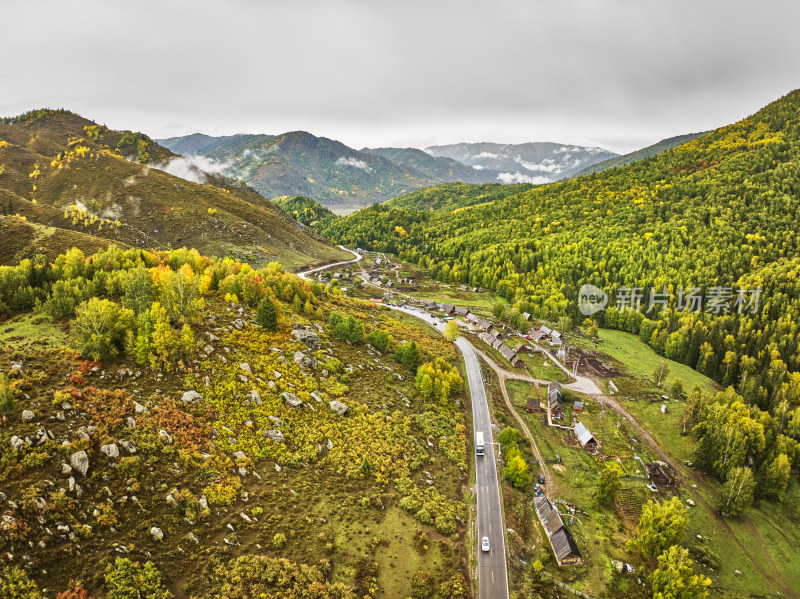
x=174, y=426
x=67, y=174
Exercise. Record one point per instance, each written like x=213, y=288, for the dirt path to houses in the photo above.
x=777, y=578
x=502, y=376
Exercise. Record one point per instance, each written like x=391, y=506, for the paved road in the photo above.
x=492, y=569
x=304, y=275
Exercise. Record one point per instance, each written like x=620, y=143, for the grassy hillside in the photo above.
x=63, y=171
x=657, y=148
x=157, y=437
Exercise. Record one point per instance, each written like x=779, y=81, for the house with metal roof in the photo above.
x=545, y=330
x=564, y=547
x=554, y=398
x=585, y=438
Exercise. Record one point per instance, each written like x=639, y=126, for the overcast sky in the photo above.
x=620, y=74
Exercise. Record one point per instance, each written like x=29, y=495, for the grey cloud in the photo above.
x=617, y=73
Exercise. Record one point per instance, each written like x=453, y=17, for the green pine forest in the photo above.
x=718, y=211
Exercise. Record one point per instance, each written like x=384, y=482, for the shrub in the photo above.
x=15, y=584
x=100, y=328
x=267, y=315
x=6, y=395
x=421, y=585
x=126, y=579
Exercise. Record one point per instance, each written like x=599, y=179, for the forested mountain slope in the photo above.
x=718, y=211
x=62, y=171
x=657, y=148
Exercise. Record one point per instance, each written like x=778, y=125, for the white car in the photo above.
x=485, y=546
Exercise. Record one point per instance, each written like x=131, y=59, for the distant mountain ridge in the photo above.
x=299, y=163
x=440, y=167
x=344, y=179
x=534, y=162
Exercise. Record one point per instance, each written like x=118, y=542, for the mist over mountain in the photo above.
x=535, y=162
x=344, y=179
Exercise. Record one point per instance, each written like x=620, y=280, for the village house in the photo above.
x=545, y=330
x=484, y=324
x=462, y=311
x=509, y=354
x=554, y=399
x=564, y=547
x=448, y=309
x=585, y=438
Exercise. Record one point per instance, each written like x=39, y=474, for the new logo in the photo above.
x=591, y=299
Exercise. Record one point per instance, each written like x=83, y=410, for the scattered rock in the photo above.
x=246, y=367
x=278, y=467
x=316, y=397
x=306, y=335
x=193, y=538
x=157, y=533
x=80, y=462
x=291, y=400
x=208, y=349
x=66, y=468
x=16, y=443
x=254, y=396
x=276, y=421
x=240, y=455
x=191, y=396
x=272, y=435
x=165, y=437
x=129, y=446
x=111, y=450
x=130, y=422
x=212, y=338
x=339, y=407
x=203, y=502
x=27, y=415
